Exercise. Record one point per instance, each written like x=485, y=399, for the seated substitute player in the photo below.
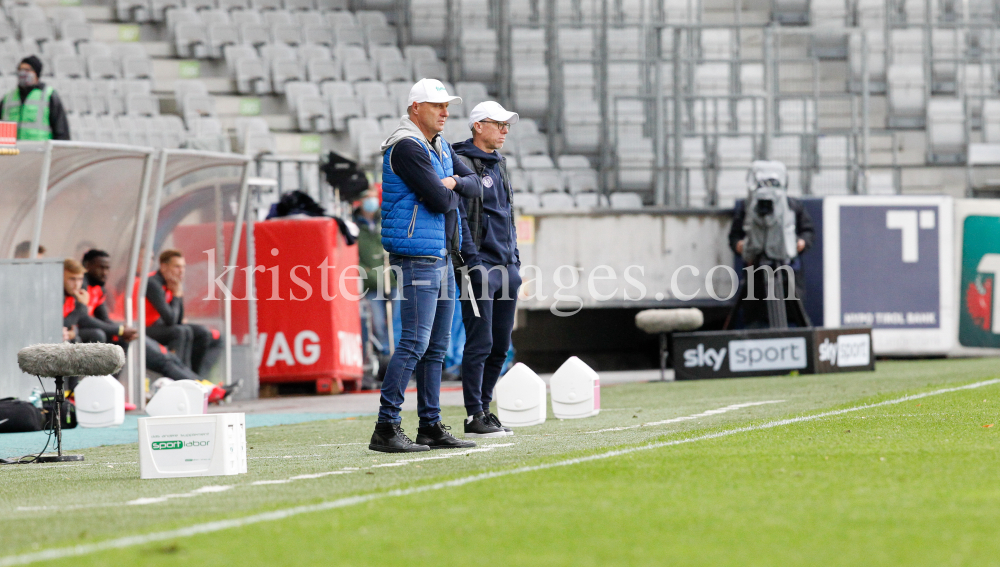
x=197, y=346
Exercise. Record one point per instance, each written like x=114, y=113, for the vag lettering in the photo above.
x=702, y=356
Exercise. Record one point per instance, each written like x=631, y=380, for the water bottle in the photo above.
x=36, y=398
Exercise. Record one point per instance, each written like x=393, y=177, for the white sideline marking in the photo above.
x=210, y=527
x=443, y=456
x=706, y=413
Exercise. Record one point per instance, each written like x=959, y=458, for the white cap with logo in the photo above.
x=493, y=111
x=430, y=90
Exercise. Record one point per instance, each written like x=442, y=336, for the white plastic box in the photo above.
x=183, y=397
x=100, y=402
x=521, y=397
x=576, y=390
x=192, y=445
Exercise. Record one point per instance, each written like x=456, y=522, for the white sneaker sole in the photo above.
x=486, y=435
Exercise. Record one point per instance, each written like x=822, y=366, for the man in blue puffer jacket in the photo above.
x=421, y=184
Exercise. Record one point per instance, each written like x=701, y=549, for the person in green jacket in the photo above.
x=34, y=106
x=371, y=258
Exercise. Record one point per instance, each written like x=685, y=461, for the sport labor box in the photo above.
x=196, y=445
x=735, y=354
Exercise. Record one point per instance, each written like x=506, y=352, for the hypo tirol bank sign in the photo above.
x=888, y=265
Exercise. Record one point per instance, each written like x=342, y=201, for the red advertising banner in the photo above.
x=307, y=289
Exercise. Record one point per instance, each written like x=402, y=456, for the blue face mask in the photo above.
x=370, y=204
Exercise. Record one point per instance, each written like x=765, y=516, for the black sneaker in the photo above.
x=478, y=426
x=389, y=438
x=495, y=421
x=436, y=436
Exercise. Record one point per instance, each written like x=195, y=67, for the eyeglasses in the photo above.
x=502, y=126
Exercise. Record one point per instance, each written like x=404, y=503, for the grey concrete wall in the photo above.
x=655, y=243
x=31, y=298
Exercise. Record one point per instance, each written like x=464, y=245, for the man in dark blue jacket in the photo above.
x=421, y=184
x=489, y=248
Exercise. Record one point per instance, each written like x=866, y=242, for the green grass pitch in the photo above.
x=908, y=483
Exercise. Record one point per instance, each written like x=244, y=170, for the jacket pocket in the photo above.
x=413, y=223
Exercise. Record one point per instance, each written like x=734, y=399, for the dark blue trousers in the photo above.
x=487, y=337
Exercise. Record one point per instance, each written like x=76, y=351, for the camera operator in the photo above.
x=767, y=184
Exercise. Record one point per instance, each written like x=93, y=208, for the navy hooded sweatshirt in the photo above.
x=499, y=238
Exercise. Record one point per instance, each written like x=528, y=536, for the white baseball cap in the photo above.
x=492, y=110
x=430, y=90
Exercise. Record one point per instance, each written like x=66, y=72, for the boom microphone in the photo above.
x=67, y=359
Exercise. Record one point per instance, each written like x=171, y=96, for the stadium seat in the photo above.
x=320, y=71
x=625, y=200
x=381, y=37
x=191, y=40
x=283, y=70
x=519, y=180
x=379, y=107
x=287, y=33
x=906, y=96
x=590, y=200
x=428, y=21
x=557, y=202
x=527, y=202
x=546, y=180
x=142, y=105
x=68, y=67
x=313, y=114
x=254, y=34
x=200, y=5
x=219, y=36
x=254, y=137
x=581, y=181
x=132, y=10
x=264, y=5
x=159, y=9
x=207, y=134
x=318, y=34
x=240, y=17
x=991, y=121
x=75, y=31
x=946, y=131
x=234, y=6
x=875, y=60
x=197, y=106
x=251, y=76
x=342, y=108
x=478, y=48
x=304, y=5
x=797, y=116
x=358, y=70
x=102, y=67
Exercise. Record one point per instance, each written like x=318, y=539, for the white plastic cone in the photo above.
x=576, y=390
x=521, y=397
x=183, y=397
x=100, y=402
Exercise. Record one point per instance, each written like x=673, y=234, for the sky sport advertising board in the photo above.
x=888, y=265
x=746, y=353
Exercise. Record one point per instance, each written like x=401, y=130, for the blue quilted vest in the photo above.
x=408, y=228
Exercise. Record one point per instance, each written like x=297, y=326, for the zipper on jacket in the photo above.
x=413, y=223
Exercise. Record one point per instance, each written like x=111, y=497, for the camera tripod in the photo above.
x=777, y=311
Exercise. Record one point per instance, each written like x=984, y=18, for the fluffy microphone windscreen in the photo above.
x=67, y=359
x=654, y=321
